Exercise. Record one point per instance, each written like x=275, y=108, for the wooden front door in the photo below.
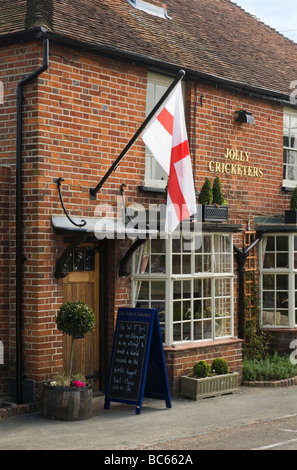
x=82, y=283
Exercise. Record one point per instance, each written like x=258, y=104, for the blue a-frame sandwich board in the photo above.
x=137, y=367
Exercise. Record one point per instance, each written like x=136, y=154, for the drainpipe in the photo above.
x=19, y=217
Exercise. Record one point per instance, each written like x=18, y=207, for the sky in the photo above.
x=279, y=14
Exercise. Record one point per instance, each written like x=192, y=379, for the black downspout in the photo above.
x=241, y=257
x=19, y=217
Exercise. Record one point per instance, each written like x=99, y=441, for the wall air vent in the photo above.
x=155, y=7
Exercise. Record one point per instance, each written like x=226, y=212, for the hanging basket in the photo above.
x=67, y=403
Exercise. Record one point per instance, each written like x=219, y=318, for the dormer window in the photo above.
x=154, y=7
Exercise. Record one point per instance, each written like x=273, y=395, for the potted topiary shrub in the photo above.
x=291, y=215
x=68, y=397
x=212, y=200
x=209, y=381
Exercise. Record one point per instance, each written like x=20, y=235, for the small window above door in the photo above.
x=80, y=259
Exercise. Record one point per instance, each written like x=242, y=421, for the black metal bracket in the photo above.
x=83, y=222
x=59, y=271
x=127, y=256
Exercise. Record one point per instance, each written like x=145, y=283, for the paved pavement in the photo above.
x=120, y=428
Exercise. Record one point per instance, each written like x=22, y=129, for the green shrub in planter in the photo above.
x=220, y=366
x=218, y=197
x=293, y=204
x=205, y=196
x=75, y=319
x=201, y=369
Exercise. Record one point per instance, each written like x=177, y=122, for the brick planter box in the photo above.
x=206, y=387
x=273, y=383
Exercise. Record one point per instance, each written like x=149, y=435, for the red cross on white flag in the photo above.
x=166, y=137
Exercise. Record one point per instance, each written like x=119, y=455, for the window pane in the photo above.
x=68, y=265
x=268, y=299
x=143, y=290
x=270, y=245
x=186, y=259
x=282, y=300
x=268, y=281
x=158, y=263
x=282, y=260
x=176, y=264
x=269, y=260
x=282, y=282
x=158, y=290
x=79, y=260
x=186, y=331
x=89, y=259
x=158, y=246
x=282, y=243
x=206, y=287
x=197, y=331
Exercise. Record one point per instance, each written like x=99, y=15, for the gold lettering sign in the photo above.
x=237, y=163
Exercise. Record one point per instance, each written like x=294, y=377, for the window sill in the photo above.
x=277, y=328
x=288, y=185
x=202, y=344
x=151, y=189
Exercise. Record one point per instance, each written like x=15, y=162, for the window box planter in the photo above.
x=290, y=217
x=206, y=387
x=212, y=213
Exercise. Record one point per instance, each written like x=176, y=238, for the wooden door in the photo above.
x=82, y=283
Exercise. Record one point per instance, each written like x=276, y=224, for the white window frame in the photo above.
x=156, y=87
x=289, y=183
x=169, y=278
x=291, y=273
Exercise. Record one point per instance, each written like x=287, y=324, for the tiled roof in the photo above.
x=215, y=37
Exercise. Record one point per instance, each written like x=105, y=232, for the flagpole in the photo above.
x=93, y=191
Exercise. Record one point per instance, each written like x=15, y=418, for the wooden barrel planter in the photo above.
x=67, y=403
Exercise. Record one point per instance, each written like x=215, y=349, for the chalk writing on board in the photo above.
x=128, y=359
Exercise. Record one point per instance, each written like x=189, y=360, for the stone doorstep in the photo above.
x=12, y=409
x=273, y=383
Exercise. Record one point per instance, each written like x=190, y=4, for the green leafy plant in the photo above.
x=63, y=380
x=256, y=343
x=201, y=369
x=75, y=319
x=272, y=367
x=220, y=366
x=218, y=197
x=206, y=196
x=293, y=205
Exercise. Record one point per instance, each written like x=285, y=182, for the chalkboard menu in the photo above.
x=128, y=360
x=137, y=349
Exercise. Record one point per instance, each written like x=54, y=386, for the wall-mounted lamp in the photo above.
x=244, y=116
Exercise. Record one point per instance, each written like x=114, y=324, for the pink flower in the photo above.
x=78, y=383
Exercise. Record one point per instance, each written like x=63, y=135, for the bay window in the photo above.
x=191, y=285
x=278, y=280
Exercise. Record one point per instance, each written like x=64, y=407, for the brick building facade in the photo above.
x=78, y=113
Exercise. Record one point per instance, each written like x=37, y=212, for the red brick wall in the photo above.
x=180, y=360
x=215, y=131
x=78, y=117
